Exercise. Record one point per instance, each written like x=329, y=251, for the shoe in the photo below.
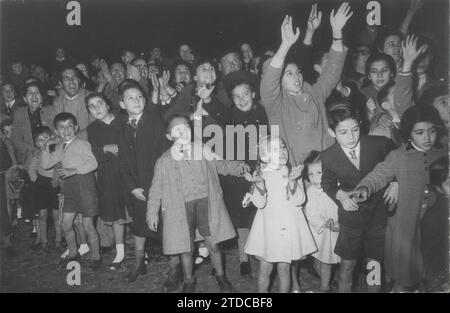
x=83, y=249
x=245, y=268
x=141, y=269
x=63, y=263
x=224, y=284
x=200, y=260
x=94, y=265
x=174, y=279
x=189, y=287
x=65, y=254
x=116, y=265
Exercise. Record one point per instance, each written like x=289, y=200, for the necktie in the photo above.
x=133, y=123
x=354, y=159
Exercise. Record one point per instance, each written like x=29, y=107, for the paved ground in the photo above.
x=34, y=271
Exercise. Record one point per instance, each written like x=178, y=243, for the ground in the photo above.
x=32, y=271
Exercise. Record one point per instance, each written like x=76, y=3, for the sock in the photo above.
x=19, y=212
x=84, y=248
x=139, y=255
x=120, y=253
x=65, y=254
x=203, y=251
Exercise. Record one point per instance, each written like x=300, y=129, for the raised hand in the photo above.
x=314, y=19
x=411, y=52
x=340, y=18
x=204, y=93
x=415, y=5
x=288, y=36
x=133, y=73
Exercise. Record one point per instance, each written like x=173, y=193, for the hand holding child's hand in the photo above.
x=66, y=172
x=340, y=18
x=391, y=194
x=329, y=224
x=296, y=172
x=114, y=149
x=348, y=204
x=359, y=195
x=385, y=121
x=138, y=193
x=153, y=221
x=243, y=169
x=335, y=227
x=288, y=36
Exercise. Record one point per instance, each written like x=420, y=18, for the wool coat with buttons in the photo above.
x=302, y=118
x=410, y=167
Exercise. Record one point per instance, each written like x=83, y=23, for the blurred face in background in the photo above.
x=182, y=74
x=186, y=53
x=230, y=63
x=247, y=52
x=70, y=82
x=118, y=72
x=392, y=47
x=8, y=92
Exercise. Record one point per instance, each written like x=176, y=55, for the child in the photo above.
x=13, y=183
x=322, y=215
x=103, y=135
x=279, y=233
x=191, y=197
x=75, y=164
x=45, y=196
x=141, y=143
x=248, y=112
x=296, y=106
x=343, y=166
x=410, y=166
x=396, y=99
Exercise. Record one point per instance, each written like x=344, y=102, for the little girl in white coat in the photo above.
x=279, y=233
x=322, y=215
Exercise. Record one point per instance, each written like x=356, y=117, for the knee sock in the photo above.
x=120, y=253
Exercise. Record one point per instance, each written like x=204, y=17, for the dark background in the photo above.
x=32, y=29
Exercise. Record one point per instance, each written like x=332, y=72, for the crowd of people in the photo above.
x=356, y=172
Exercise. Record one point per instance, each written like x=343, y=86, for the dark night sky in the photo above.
x=31, y=29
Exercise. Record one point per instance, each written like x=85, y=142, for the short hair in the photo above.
x=129, y=84
x=439, y=171
x=173, y=117
x=40, y=131
x=312, y=158
x=382, y=36
x=64, y=116
x=179, y=63
x=417, y=114
x=376, y=57
x=430, y=94
x=241, y=81
x=36, y=84
x=264, y=143
x=95, y=95
x=199, y=63
x=70, y=67
x=341, y=111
